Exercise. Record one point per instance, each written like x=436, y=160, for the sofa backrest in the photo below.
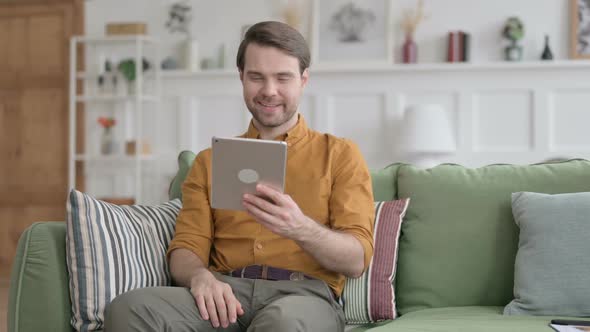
x=185, y=162
x=459, y=240
x=384, y=180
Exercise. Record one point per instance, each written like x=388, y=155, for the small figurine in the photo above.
x=547, y=54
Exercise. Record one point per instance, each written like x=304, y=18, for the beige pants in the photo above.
x=305, y=305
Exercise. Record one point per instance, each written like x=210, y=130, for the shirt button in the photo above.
x=259, y=246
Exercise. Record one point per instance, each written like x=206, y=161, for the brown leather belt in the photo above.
x=268, y=273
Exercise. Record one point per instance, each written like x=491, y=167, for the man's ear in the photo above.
x=304, y=78
x=241, y=75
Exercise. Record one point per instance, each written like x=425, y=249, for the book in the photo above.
x=460, y=40
x=569, y=325
x=458, y=46
x=452, y=47
x=466, y=56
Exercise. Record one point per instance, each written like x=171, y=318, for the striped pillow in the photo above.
x=113, y=249
x=371, y=297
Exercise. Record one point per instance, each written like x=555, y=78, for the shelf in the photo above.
x=116, y=39
x=81, y=75
x=118, y=93
x=457, y=66
x=114, y=158
x=112, y=98
x=347, y=68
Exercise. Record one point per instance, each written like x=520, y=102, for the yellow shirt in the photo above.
x=326, y=176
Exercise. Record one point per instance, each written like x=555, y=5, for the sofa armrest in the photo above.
x=39, y=298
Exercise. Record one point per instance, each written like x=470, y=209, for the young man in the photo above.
x=279, y=266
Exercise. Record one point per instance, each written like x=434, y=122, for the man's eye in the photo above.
x=256, y=78
x=284, y=79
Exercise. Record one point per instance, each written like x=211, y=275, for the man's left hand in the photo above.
x=279, y=213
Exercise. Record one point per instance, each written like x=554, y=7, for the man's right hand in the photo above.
x=215, y=299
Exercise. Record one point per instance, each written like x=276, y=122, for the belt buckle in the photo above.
x=296, y=276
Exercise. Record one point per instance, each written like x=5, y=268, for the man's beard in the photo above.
x=275, y=121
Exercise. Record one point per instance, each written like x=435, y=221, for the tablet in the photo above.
x=238, y=164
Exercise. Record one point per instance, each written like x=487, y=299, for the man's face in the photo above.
x=272, y=85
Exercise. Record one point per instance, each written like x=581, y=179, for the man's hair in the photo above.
x=278, y=35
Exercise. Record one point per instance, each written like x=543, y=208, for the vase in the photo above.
x=513, y=52
x=409, y=50
x=191, y=55
x=107, y=144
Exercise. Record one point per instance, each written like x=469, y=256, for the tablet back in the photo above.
x=238, y=164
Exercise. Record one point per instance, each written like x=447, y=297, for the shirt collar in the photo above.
x=293, y=135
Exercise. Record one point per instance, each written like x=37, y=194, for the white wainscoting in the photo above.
x=500, y=113
x=505, y=112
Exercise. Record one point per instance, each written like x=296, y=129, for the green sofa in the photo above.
x=456, y=256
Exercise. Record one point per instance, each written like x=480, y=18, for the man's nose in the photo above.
x=269, y=89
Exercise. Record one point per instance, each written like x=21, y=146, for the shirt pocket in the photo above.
x=312, y=195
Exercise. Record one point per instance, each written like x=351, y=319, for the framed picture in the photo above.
x=352, y=31
x=580, y=29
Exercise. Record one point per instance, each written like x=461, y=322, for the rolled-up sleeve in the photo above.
x=194, y=224
x=351, y=202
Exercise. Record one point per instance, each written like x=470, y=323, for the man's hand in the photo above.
x=215, y=299
x=279, y=213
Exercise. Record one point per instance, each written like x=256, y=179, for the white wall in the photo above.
x=511, y=113
x=220, y=22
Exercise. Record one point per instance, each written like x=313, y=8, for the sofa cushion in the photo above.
x=112, y=249
x=371, y=297
x=459, y=239
x=39, y=281
x=453, y=319
x=552, y=271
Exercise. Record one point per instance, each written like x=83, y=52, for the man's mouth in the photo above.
x=268, y=106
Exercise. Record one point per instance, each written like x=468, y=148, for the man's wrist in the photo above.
x=310, y=232
x=198, y=274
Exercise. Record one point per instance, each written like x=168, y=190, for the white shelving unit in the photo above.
x=111, y=101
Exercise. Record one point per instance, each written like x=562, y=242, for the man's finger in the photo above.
x=239, y=309
x=231, y=303
x=261, y=216
x=262, y=204
x=202, y=307
x=221, y=310
x=271, y=193
x=212, y=310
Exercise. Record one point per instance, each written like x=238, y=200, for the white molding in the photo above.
x=121, y=38
x=542, y=102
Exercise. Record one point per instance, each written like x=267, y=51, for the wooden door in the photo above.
x=34, y=80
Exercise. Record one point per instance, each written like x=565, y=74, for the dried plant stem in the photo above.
x=412, y=18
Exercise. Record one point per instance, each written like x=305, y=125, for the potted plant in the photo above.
x=513, y=31
x=127, y=68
